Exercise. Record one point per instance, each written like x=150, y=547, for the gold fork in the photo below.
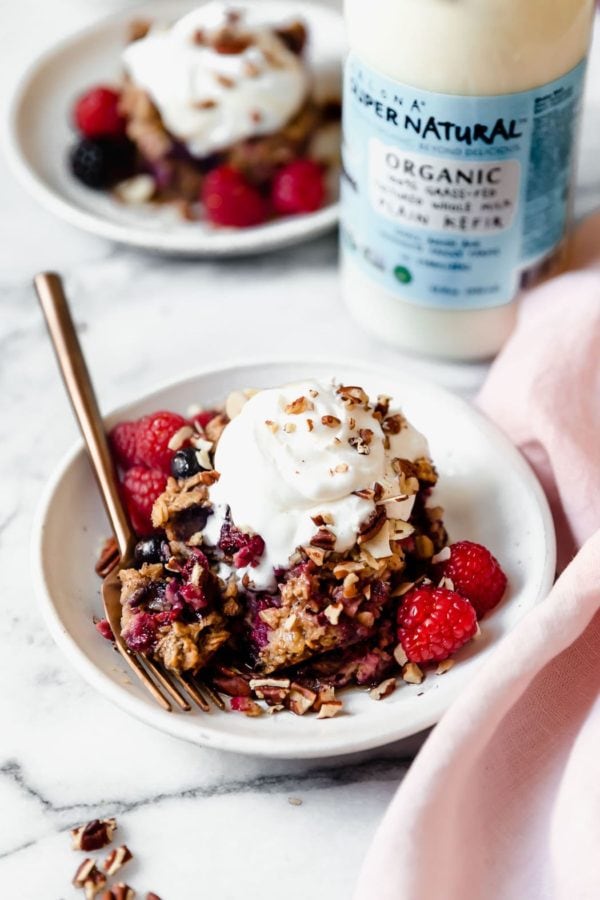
x=156, y=679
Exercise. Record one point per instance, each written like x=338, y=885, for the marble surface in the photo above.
x=201, y=823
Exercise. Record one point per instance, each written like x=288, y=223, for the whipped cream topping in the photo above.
x=208, y=99
x=291, y=454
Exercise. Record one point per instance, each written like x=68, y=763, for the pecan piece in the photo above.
x=324, y=538
x=372, y=525
x=383, y=690
x=89, y=877
x=108, y=559
x=116, y=859
x=393, y=424
x=331, y=421
x=94, y=835
x=300, y=699
x=299, y=405
x=352, y=394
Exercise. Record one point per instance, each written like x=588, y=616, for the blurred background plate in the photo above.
x=39, y=135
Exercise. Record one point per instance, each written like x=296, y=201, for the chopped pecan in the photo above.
x=383, y=690
x=352, y=395
x=300, y=699
x=109, y=558
x=358, y=444
x=329, y=709
x=214, y=428
x=317, y=555
x=393, y=424
x=371, y=526
x=89, y=877
x=94, y=835
x=412, y=674
x=331, y=421
x=381, y=407
x=299, y=405
x=116, y=859
x=324, y=538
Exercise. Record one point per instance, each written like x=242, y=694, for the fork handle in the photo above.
x=79, y=387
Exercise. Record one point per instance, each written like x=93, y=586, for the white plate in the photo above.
x=39, y=135
x=489, y=494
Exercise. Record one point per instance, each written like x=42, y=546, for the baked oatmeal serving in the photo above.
x=290, y=546
x=218, y=114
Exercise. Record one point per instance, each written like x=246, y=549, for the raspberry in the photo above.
x=231, y=200
x=102, y=625
x=245, y=548
x=433, y=623
x=140, y=634
x=141, y=487
x=153, y=435
x=97, y=113
x=298, y=187
x=475, y=574
x=122, y=439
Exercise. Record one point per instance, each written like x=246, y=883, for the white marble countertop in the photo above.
x=202, y=823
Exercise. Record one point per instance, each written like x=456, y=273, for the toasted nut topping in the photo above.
x=182, y=435
x=94, y=835
x=341, y=569
x=300, y=699
x=359, y=445
x=324, y=539
x=351, y=423
x=330, y=709
x=365, y=618
x=116, y=859
x=294, y=801
x=310, y=424
x=313, y=393
x=333, y=612
x=322, y=519
x=400, y=656
x=331, y=421
x=299, y=405
x=384, y=689
x=443, y=556
x=351, y=395
x=412, y=673
x=269, y=682
x=444, y=666
x=372, y=525
x=382, y=406
x=272, y=426
x=289, y=427
x=393, y=424
x=341, y=468
x=124, y=892
x=89, y=877
x=316, y=554
x=108, y=559
x=349, y=587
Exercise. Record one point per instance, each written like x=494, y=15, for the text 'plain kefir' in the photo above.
x=460, y=118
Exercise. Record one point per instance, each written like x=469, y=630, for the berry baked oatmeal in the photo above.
x=219, y=114
x=290, y=546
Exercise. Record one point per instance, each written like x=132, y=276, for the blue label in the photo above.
x=455, y=201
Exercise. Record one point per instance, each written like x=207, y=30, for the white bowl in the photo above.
x=489, y=494
x=39, y=135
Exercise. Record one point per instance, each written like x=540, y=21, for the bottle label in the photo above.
x=455, y=201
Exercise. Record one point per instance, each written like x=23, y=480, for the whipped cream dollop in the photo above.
x=212, y=91
x=300, y=452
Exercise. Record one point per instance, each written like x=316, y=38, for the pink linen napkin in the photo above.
x=503, y=801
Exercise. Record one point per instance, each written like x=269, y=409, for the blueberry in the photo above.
x=151, y=550
x=185, y=463
x=100, y=163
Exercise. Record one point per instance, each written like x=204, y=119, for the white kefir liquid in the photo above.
x=483, y=50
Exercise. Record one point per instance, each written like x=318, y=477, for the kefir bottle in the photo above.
x=460, y=119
